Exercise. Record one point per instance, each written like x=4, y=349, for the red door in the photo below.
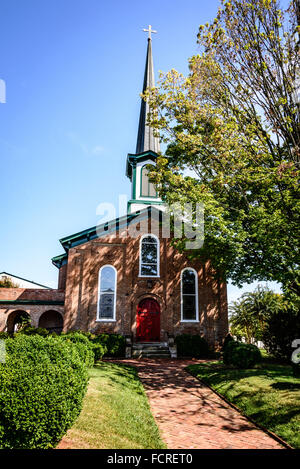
x=148, y=321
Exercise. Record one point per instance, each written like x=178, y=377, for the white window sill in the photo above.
x=105, y=320
x=149, y=276
x=189, y=320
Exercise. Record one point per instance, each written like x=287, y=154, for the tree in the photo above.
x=250, y=314
x=6, y=282
x=234, y=124
x=280, y=331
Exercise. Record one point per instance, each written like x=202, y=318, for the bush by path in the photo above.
x=42, y=384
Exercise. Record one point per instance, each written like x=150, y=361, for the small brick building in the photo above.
x=125, y=276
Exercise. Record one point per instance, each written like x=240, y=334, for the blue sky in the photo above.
x=73, y=71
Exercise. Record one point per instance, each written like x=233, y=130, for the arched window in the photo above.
x=189, y=295
x=107, y=293
x=149, y=256
x=147, y=187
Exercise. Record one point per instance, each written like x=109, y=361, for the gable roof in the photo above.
x=100, y=231
x=25, y=280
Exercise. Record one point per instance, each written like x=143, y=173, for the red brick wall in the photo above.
x=13, y=294
x=62, y=276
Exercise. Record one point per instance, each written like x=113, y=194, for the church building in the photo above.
x=124, y=276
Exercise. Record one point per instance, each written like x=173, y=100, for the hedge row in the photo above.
x=192, y=346
x=107, y=345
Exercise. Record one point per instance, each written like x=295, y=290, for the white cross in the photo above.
x=149, y=30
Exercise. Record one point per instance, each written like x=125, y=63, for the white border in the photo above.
x=99, y=291
x=196, y=295
x=158, y=256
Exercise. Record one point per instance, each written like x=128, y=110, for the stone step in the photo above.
x=150, y=350
x=150, y=355
x=150, y=345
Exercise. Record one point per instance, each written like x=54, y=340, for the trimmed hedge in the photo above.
x=114, y=344
x=192, y=346
x=84, y=346
x=30, y=330
x=42, y=385
x=241, y=355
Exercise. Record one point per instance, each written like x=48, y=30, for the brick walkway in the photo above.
x=190, y=415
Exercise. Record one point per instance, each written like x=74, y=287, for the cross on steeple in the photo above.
x=149, y=30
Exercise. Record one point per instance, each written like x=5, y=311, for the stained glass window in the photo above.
x=149, y=261
x=107, y=293
x=189, y=295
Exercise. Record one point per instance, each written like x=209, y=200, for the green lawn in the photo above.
x=115, y=414
x=269, y=394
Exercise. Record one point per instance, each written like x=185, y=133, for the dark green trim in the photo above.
x=136, y=158
x=145, y=202
x=58, y=261
x=25, y=280
x=134, y=181
x=32, y=302
x=106, y=228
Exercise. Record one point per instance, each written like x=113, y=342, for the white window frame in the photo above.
x=99, y=294
x=158, y=256
x=196, y=295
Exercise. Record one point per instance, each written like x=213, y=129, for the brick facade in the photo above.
x=77, y=297
x=122, y=252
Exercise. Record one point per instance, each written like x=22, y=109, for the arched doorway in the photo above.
x=148, y=321
x=52, y=321
x=16, y=320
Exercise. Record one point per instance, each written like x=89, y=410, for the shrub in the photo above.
x=192, y=346
x=281, y=329
x=241, y=355
x=114, y=344
x=84, y=345
x=29, y=330
x=42, y=384
x=99, y=350
x=228, y=339
x=4, y=335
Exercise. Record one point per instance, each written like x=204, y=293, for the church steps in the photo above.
x=150, y=350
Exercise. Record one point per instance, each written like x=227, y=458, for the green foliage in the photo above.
x=241, y=355
x=6, y=282
x=99, y=350
x=42, y=385
x=113, y=343
x=84, y=346
x=4, y=335
x=30, y=330
x=192, y=346
x=227, y=341
x=234, y=123
x=250, y=313
x=282, y=328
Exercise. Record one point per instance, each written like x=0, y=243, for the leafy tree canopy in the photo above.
x=233, y=123
x=250, y=314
